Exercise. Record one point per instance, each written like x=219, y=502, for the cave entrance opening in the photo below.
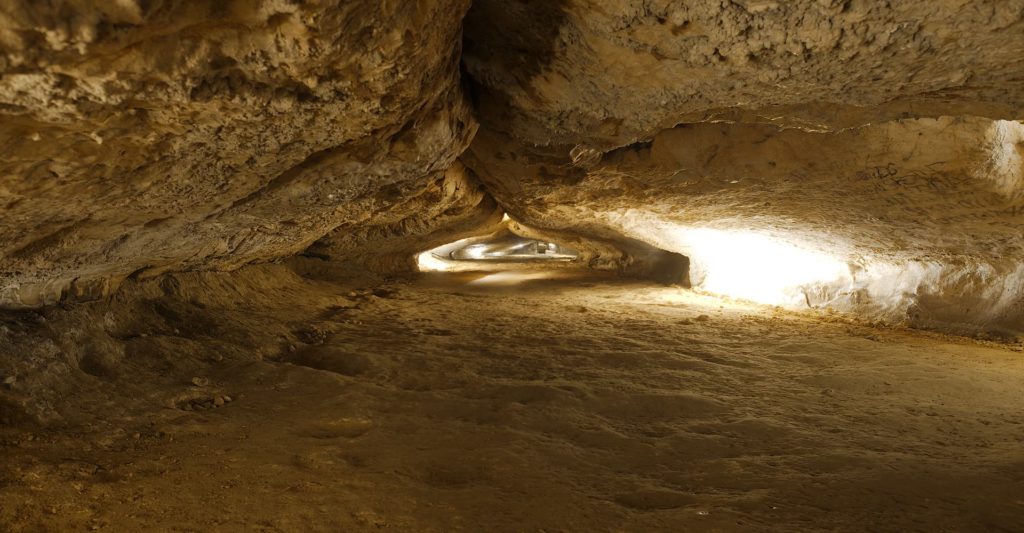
x=500, y=250
x=509, y=248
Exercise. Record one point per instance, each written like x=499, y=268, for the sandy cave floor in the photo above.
x=541, y=405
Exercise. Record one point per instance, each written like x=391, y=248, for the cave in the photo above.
x=517, y=265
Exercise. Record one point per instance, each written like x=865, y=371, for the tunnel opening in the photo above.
x=508, y=248
x=512, y=245
x=502, y=249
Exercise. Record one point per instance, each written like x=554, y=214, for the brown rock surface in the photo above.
x=923, y=216
x=148, y=137
x=885, y=137
x=243, y=181
x=151, y=136
x=587, y=405
x=602, y=74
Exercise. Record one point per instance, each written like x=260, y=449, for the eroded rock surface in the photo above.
x=152, y=136
x=602, y=74
x=452, y=207
x=140, y=138
x=884, y=139
x=833, y=155
x=923, y=217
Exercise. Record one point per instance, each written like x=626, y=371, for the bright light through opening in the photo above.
x=499, y=248
x=428, y=262
x=758, y=267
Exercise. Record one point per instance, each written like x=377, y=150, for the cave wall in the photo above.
x=144, y=137
x=454, y=206
x=925, y=214
x=884, y=138
x=603, y=74
x=139, y=137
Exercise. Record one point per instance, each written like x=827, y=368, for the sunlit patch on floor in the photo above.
x=513, y=277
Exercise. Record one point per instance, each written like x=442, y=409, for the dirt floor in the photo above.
x=498, y=402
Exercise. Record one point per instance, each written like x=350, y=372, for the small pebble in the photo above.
x=218, y=401
x=200, y=382
x=227, y=398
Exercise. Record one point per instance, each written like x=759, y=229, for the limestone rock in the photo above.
x=143, y=137
x=922, y=217
x=606, y=74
